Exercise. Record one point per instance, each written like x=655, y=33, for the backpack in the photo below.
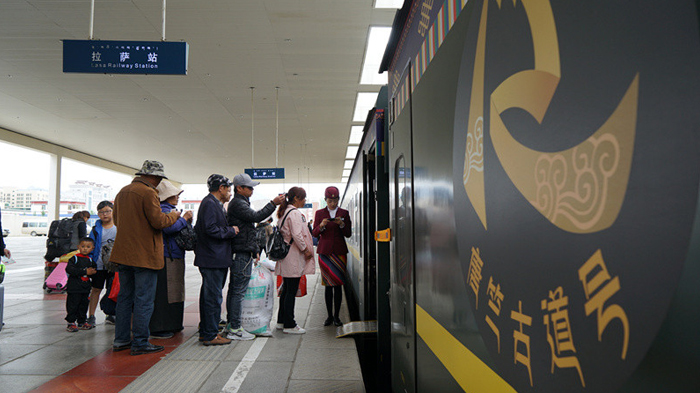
x=105, y=254
x=261, y=237
x=186, y=239
x=277, y=249
x=59, y=238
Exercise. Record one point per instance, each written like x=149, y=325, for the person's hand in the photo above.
x=235, y=229
x=90, y=271
x=177, y=212
x=188, y=215
x=278, y=199
x=308, y=254
x=8, y=254
x=324, y=222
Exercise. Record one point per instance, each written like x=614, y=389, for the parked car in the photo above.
x=5, y=232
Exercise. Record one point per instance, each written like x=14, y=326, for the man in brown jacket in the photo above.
x=138, y=250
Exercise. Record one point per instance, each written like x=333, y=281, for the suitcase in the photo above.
x=57, y=280
x=2, y=304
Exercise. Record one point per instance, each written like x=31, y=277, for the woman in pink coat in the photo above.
x=298, y=262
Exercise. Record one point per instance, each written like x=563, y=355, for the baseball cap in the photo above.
x=244, y=180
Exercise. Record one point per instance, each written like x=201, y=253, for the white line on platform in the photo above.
x=234, y=383
x=25, y=296
x=28, y=269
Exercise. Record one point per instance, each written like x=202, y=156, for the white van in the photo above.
x=35, y=228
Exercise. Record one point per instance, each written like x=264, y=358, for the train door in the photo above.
x=370, y=254
x=403, y=321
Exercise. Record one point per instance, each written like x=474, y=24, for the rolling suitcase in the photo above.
x=57, y=280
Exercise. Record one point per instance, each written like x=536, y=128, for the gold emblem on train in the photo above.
x=580, y=189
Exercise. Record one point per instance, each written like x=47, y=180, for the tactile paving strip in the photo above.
x=173, y=376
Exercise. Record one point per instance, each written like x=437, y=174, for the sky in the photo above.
x=31, y=170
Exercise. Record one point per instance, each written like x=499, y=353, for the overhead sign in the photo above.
x=125, y=57
x=308, y=206
x=265, y=173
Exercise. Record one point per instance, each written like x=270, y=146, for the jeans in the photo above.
x=240, y=275
x=285, y=315
x=137, y=290
x=210, y=297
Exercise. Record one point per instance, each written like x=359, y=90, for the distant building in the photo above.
x=89, y=192
x=67, y=208
x=20, y=198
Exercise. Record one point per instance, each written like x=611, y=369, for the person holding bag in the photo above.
x=299, y=260
x=169, y=305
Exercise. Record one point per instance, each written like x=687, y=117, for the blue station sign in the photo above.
x=265, y=173
x=125, y=57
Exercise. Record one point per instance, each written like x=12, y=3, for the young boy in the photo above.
x=78, y=287
x=103, y=233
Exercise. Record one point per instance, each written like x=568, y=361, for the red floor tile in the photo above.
x=88, y=384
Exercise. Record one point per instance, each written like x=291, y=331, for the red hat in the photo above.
x=332, y=192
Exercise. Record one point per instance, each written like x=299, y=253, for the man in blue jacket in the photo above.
x=213, y=256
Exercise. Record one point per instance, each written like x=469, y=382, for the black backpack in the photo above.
x=277, y=249
x=186, y=239
x=59, y=239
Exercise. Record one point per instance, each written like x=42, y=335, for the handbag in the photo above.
x=114, y=291
x=277, y=249
x=301, y=291
x=186, y=239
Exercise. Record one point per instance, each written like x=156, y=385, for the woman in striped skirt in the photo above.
x=331, y=226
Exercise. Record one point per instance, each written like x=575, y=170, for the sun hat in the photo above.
x=166, y=190
x=153, y=168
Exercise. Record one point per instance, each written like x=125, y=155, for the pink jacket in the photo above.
x=294, y=264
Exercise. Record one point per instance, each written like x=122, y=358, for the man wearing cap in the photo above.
x=213, y=257
x=245, y=248
x=138, y=250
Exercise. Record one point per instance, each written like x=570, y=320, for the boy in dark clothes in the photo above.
x=78, y=287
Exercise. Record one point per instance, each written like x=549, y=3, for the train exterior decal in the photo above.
x=543, y=162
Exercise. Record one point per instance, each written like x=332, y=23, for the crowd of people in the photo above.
x=150, y=259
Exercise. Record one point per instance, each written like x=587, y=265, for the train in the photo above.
x=525, y=199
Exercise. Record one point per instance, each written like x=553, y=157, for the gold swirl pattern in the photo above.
x=575, y=188
x=474, y=157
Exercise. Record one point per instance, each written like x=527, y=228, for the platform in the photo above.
x=38, y=354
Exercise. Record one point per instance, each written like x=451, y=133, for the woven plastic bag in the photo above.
x=258, y=302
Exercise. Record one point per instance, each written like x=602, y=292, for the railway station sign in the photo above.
x=265, y=173
x=125, y=57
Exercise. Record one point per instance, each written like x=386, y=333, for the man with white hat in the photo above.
x=245, y=248
x=138, y=250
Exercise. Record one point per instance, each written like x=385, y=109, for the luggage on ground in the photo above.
x=258, y=302
x=58, y=279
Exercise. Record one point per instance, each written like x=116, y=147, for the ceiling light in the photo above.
x=355, y=135
x=365, y=102
x=388, y=3
x=352, y=152
x=376, y=45
x=344, y=180
x=348, y=164
x=346, y=173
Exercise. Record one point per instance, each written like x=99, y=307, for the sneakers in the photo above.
x=218, y=340
x=72, y=328
x=295, y=330
x=86, y=326
x=110, y=319
x=239, y=334
x=148, y=348
x=91, y=320
x=279, y=326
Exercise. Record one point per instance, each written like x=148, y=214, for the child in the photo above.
x=78, y=287
x=104, y=232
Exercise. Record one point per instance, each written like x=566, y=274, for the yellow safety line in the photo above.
x=467, y=369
